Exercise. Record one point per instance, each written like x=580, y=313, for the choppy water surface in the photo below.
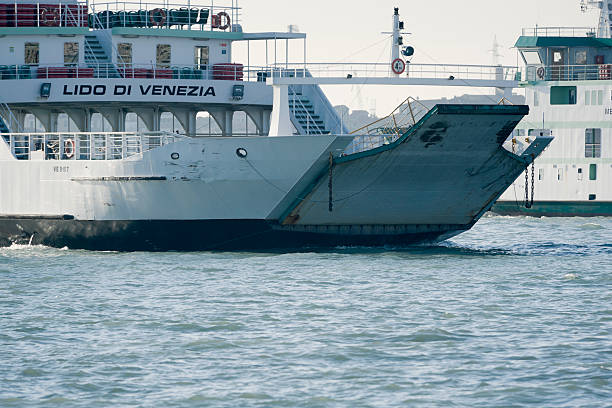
x=516, y=312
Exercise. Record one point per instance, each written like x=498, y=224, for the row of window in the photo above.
x=580, y=174
x=567, y=95
x=163, y=54
x=592, y=141
x=32, y=53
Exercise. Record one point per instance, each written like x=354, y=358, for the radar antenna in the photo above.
x=604, y=29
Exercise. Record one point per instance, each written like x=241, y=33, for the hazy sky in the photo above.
x=443, y=31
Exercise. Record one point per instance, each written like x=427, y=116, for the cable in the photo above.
x=305, y=198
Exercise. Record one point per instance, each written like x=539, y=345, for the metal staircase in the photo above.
x=304, y=114
x=97, y=58
x=312, y=113
x=3, y=127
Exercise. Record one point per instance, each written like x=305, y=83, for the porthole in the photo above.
x=241, y=152
x=175, y=156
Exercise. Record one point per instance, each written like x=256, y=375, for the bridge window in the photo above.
x=32, y=53
x=163, y=55
x=563, y=95
x=71, y=53
x=532, y=57
x=124, y=51
x=592, y=143
x=201, y=57
x=581, y=57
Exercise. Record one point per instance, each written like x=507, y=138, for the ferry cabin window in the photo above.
x=540, y=174
x=580, y=174
x=593, y=172
x=581, y=57
x=31, y=53
x=592, y=143
x=71, y=53
x=532, y=57
x=563, y=95
x=124, y=51
x=163, y=55
x=201, y=57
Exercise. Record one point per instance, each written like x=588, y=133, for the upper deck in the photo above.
x=565, y=54
x=51, y=16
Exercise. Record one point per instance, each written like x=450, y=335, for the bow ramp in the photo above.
x=448, y=169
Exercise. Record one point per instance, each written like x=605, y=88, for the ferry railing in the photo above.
x=213, y=15
x=230, y=72
x=383, y=70
x=85, y=145
x=9, y=119
x=598, y=72
x=239, y=72
x=559, y=32
x=49, y=14
x=388, y=129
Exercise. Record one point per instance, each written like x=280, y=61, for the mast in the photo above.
x=395, y=46
x=604, y=30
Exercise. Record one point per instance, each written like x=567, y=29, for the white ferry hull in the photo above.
x=434, y=182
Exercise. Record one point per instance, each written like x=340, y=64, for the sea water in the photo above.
x=516, y=312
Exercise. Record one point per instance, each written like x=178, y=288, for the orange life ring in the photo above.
x=227, y=20
x=155, y=20
x=69, y=148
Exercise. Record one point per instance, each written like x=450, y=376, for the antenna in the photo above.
x=495, y=51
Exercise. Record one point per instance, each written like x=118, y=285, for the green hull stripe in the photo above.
x=555, y=208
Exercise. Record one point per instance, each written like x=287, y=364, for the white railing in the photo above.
x=49, y=14
x=601, y=72
x=239, y=72
x=9, y=119
x=191, y=14
x=388, y=129
x=230, y=72
x=383, y=70
x=559, y=32
x=84, y=145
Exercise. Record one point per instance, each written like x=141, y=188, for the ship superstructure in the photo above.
x=567, y=78
x=299, y=178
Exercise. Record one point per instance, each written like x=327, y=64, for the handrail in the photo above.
x=7, y=113
x=309, y=118
x=389, y=128
x=47, y=14
x=381, y=70
x=559, y=31
x=597, y=72
x=85, y=145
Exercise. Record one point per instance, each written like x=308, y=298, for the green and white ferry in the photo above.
x=567, y=79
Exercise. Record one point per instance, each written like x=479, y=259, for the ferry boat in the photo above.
x=298, y=179
x=567, y=79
